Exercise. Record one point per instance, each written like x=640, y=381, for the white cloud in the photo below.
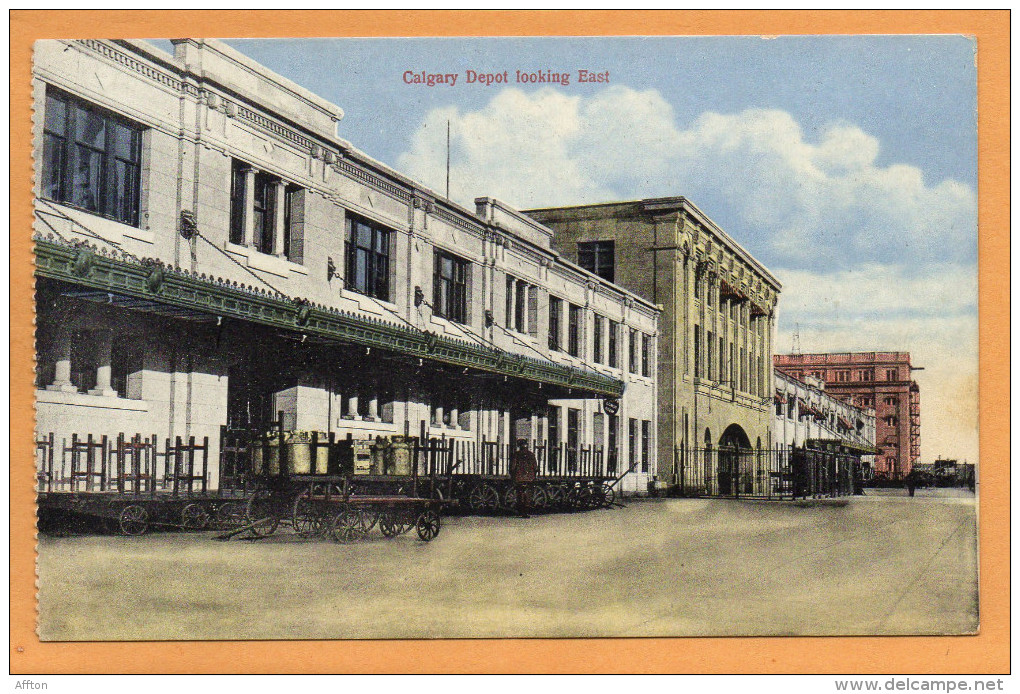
x=872, y=256
x=821, y=204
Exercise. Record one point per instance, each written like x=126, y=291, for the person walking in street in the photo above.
x=523, y=470
x=911, y=482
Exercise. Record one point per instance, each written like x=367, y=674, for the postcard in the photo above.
x=506, y=337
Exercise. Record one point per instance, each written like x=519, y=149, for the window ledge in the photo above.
x=55, y=397
x=274, y=265
x=366, y=303
x=110, y=229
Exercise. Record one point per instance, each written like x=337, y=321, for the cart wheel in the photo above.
x=194, y=517
x=508, y=499
x=134, y=520
x=555, y=497
x=230, y=515
x=390, y=526
x=484, y=499
x=539, y=498
x=608, y=494
x=306, y=519
x=348, y=526
x=260, y=513
x=428, y=525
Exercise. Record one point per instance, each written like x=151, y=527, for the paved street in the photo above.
x=883, y=563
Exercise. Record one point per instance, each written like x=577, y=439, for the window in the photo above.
x=710, y=354
x=891, y=400
x=842, y=376
x=891, y=374
x=554, y=437
x=866, y=374
x=633, y=440
x=573, y=437
x=510, y=282
x=449, y=287
x=646, y=355
x=520, y=305
x=91, y=158
x=368, y=258
x=614, y=351
x=612, y=454
x=598, y=257
x=722, y=361
x=646, y=439
x=891, y=421
x=555, y=312
x=599, y=324
x=632, y=349
x=574, y=331
x=697, y=351
x=275, y=209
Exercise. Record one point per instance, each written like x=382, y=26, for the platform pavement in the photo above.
x=881, y=564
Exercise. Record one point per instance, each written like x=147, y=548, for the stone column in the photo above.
x=62, y=375
x=104, y=359
x=352, y=406
x=373, y=408
x=249, y=207
x=279, y=207
x=439, y=416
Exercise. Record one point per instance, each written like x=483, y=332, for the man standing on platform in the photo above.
x=523, y=470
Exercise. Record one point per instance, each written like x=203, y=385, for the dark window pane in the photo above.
x=53, y=167
x=90, y=128
x=87, y=179
x=56, y=115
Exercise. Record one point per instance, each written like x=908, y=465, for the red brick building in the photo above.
x=881, y=380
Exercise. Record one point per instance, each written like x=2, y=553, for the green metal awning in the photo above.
x=150, y=285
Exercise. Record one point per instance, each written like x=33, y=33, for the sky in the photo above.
x=847, y=165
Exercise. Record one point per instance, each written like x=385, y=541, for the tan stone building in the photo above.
x=717, y=325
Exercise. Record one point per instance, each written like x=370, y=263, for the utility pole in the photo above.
x=447, y=159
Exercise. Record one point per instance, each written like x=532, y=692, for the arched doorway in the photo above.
x=733, y=441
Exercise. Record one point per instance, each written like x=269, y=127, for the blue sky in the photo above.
x=848, y=165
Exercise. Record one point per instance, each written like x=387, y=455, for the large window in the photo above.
x=574, y=331
x=555, y=313
x=598, y=257
x=597, y=329
x=521, y=305
x=632, y=432
x=613, y=453
x=573, y=437
x=91, y=158
x=614, y=350
x=646, y=439
x=632, y=352
x=449, y=287
x=275, y=209
x=697, y=351
x=368, y=258
x=646, y=355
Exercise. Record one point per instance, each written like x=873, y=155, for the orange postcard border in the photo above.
x=987, y=652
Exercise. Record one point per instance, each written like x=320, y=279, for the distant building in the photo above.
x=806, y=416
x=719, y=312
x=879, y=380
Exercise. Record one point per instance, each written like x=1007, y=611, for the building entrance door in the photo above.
x=733, y=443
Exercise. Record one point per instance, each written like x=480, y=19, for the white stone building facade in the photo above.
x=211, y=254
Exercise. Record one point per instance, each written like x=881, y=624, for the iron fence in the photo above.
x=788, y=473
